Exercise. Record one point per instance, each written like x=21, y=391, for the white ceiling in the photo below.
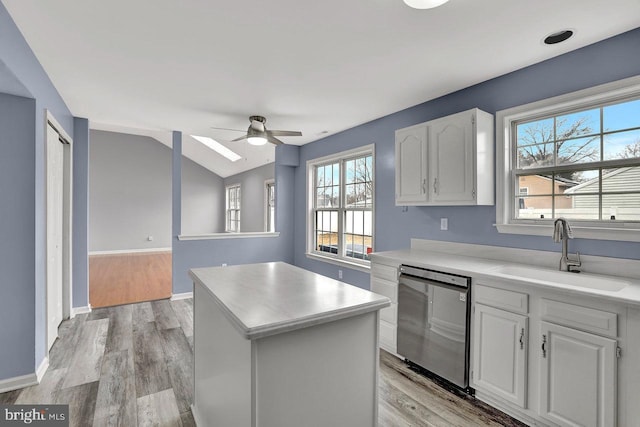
x=162, y=65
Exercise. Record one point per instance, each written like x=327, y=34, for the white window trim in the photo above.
x=361, y=265
x=226, y=208
x=609, y=92
x=266, y=204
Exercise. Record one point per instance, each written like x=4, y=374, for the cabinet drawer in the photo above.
x=583, y=318
x=390, y=314
x=516, y=302
x=388, y=336
x=385, y=287
x=384, y=272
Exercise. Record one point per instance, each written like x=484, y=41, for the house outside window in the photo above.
x=341, y=207
x=233, y=209
x=270, y=206
x=576, y=156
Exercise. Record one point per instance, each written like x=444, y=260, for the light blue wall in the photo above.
x=205, y=253
x=28, y=192
x=609, y=60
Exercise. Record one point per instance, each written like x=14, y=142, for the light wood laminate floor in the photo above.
x=132, y=365
x=129, y=278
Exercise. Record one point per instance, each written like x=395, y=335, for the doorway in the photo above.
x=58, y=172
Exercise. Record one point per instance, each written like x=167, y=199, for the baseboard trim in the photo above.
x=184, y=295
x=16, y=383
x=80, y=310
x=42, y=369
x=196, y=418
x=130, y=251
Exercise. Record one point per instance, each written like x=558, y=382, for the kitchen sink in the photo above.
x=582, y=280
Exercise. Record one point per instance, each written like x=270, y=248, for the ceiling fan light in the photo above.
x=257, y=140
x=424, y=4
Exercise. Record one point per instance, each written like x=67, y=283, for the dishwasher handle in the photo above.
x=421, y=285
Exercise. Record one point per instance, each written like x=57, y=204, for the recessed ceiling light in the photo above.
x=558, y=37
x=425, y=4
x=217, y=147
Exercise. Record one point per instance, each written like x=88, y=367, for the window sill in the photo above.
x=598, y=233
x=214, y=236
x=365, y=268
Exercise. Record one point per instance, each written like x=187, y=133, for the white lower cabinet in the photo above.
x=384, y=281
x=500, y=364
x=577, y=377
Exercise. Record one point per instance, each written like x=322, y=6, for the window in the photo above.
x=577, y=157
x=233, y=209
x=270, y=206
x=341, y=200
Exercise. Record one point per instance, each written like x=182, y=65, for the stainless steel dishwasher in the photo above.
x=433, y=322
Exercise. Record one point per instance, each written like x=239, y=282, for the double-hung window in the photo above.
x=576, y=156
x=233, y=209
x=341, y=207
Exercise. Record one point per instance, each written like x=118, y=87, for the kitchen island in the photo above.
x=279, y=346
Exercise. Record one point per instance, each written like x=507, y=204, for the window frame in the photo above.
x=267, y=206
x=341, y=157
x=228, y=209
x=505, y=156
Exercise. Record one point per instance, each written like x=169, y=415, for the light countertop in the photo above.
x=271, y=298
x=485, y=270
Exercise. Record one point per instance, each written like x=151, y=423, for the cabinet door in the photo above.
x=578, y=377
x=500, y=353
x=411, y=165
x=451, y=159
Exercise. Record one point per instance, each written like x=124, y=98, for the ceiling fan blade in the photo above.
x=284, y=133
x=241, y=138
x=272, y=139
x=235, y=130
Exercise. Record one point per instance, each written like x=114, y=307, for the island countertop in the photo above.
x=270, y=298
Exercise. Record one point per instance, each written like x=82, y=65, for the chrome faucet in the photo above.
x=562, y=233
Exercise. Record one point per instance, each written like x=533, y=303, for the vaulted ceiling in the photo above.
x=152, y=66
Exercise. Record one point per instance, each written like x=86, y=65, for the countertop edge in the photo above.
x=288, y=326
x=629, y=296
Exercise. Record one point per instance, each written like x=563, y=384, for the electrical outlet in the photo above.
x=150, y=238
x=444, y=223
x=224, y=264
x=339, y=274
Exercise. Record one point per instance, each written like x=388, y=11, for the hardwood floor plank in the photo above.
x=184, y=313
x=158, y=409
x=98, y=313
x=116, y=399
x=82, y=402
x=128, y=278
x=151, y=370
x=44, y=392
x=142, y=313
x=64, y=347
x=87, y=360
x=388, y=416
x=179, y=359
x=187, y=419
x=9, y=397
x=120, y=336
x=164, y=314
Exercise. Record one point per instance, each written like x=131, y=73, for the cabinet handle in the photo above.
x=544, y=346
x=435, y=185
x=424, y=186
x=522, y=339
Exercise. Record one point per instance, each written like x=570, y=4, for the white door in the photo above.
x=411, y=165
x=55, y=182
x=500, y=353
x=578, y=377
x=451, y=162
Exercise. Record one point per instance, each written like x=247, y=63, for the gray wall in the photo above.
x=130, y=193
x=22, y=171
x=202, y=200
x=252, y=205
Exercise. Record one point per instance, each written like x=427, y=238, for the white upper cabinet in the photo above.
x=447, y=161
x=411, y=168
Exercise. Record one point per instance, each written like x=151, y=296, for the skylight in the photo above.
x=217, y=147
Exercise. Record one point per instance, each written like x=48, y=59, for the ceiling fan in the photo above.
x=257, y=133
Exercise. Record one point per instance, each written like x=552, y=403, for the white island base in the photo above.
x=324, y=374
